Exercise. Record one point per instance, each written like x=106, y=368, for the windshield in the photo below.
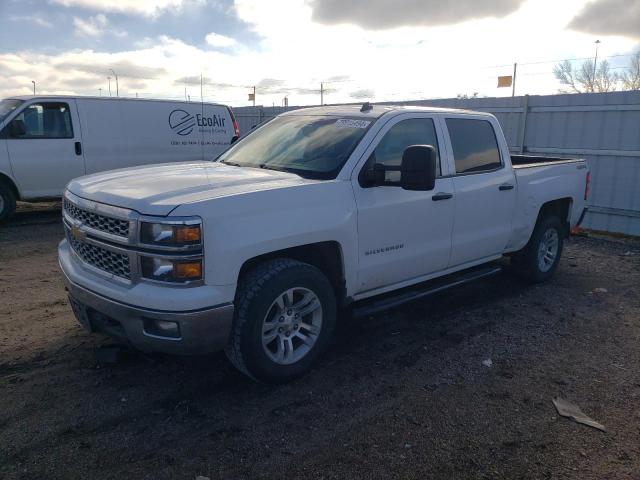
x=7, y=106
x=310, y=146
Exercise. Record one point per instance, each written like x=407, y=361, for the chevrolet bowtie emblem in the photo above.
x=77, y=233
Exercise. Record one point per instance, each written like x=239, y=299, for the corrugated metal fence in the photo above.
x=604, y=128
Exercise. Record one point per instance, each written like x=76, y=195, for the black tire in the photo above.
x=7, y=201
x=527, y=262
x=257, y=291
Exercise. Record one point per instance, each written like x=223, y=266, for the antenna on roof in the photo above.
x=366, y=106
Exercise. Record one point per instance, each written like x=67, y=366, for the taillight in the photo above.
x=236, y=128
x=586, y=185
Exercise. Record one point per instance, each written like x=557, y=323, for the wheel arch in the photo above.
x=7, y=180
x=561, y=208
x=325, y=256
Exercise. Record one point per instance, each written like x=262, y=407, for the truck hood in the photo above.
x=158, y=189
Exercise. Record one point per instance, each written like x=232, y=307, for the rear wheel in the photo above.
x=540, y=258
x=285, y=315
x=7, y=201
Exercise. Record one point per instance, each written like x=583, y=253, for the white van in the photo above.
x=45, y=141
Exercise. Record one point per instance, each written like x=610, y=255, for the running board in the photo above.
x=409, y=295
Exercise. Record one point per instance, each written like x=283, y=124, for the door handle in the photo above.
x=505, y=186
x=441, y=196
x=78, y=146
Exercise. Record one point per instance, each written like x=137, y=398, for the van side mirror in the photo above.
x=418, y=169
x=17, y=129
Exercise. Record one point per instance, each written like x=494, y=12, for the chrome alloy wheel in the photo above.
x=548, y=249
x=292, y=325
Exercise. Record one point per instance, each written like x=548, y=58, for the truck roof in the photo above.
x=375, y=111
x=93, y=97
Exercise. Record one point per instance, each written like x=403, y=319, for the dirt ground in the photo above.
x=400, y=395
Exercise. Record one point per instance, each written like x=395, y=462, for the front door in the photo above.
x=402, y=235
x=45, y=150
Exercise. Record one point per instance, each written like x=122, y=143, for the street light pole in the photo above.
x=34, y=86
x=109, y=79
x=115, y=75
x=321, y=93
x=100, y=89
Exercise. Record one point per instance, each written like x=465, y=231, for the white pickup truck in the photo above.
x=317, y=210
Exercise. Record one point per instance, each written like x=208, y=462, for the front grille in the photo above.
x=97, y=221
x=111, y=262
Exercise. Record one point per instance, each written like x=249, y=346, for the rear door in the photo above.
x=403, y=235
x=45, y=149
x=484, y=187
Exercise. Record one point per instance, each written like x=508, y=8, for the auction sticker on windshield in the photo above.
x=349, y=123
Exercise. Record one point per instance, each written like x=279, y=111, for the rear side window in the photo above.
x=414, y=131
x=475, y=148
x=42, y=120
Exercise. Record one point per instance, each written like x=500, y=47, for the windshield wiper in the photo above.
x=233, y=164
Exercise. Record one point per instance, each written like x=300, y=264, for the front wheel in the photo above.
x=540, y=258
x=285, y=315
x=7, y=201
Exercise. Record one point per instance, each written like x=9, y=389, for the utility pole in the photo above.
x=321, y=93
x=100, y=90
x=513, y=89
x=115, y=75
x=254, y=96
x=34, y=86
x=595, y=67
x=109, y=79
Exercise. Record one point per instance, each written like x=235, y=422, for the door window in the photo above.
x=475, y=148
x=42, y=120
x=414, y=131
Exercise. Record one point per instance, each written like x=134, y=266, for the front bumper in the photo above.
x=201, y=331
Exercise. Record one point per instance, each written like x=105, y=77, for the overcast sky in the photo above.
x=361, y=49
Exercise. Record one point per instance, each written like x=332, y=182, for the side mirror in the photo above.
x=418, y=170
x=17, y=129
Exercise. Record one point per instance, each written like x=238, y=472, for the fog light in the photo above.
x=161, y=328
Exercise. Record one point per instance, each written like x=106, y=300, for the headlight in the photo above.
x=170, y=270
x=184, y=234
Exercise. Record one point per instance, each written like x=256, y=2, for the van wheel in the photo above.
x=285, y=315
x=540, y=258
x=7, y=201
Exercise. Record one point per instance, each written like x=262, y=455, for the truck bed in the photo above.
x=527, y=161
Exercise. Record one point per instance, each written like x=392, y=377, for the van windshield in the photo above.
x=310, y=146
x=7, y=106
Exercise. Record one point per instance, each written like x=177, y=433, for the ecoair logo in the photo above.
x=182, y=122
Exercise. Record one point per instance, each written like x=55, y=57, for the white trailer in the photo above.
x=46, y=141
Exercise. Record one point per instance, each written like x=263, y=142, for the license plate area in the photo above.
x=81, y=314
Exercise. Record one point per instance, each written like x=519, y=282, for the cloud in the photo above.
x=124, y=68
x=362, y=94
x=217, y=40
x=149, y=8
x=208, y=81
x=33, y=19
x=92, y=26
x=609, y=17
x=386, y=14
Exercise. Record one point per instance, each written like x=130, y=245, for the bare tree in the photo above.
x=631, y=78
x=604, y=79
x=586, y=79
